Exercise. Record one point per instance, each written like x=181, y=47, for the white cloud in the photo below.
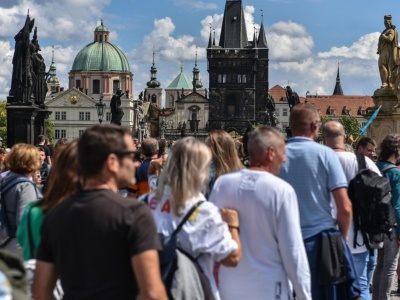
x=288, y=41
x=364, y=48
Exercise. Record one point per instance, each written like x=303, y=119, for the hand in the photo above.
x=155, y=167
x=230, y=216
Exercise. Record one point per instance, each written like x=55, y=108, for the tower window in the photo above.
x=153, y=98
x=223, y=78
x=115, y=86
x=78, y=83
x=244, y=80
x=171, y=101
x=239, y=78
x=96, y=86
x=219, y=78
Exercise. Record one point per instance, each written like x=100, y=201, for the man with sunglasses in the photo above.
x=100, y=244
x=315, y=172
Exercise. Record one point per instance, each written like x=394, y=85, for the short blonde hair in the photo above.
x=23, y=159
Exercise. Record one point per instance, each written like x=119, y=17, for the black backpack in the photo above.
x=6, y=234
x=169, y=261
x=373, y=213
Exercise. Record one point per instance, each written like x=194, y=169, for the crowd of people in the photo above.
x=260, y=231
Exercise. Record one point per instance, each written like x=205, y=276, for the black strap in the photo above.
x=362, y=164
x=186, y=217
x=30, y=235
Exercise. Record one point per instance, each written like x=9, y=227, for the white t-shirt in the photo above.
x=205, y=235
x=272, y=245
x=349, y=163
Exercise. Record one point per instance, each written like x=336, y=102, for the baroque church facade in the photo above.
x=99, y=69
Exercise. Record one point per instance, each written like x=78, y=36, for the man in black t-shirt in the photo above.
x=101, y=245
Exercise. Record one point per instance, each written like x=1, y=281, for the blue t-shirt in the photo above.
x=314, y=171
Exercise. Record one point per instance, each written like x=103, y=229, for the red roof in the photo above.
x=325, y=104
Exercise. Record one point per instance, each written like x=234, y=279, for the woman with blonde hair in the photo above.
x=18, y=190
x=225, y=158
x=205, y=236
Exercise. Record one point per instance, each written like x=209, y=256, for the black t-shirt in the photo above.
x=91, y=238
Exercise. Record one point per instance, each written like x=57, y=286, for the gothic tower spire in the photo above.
x=210, y=39
x=233, y=30
x=262, y=39
x=338, y=88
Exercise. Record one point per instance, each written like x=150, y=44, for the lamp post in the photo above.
x=100, y=109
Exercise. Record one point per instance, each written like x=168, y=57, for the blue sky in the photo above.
x=306, y=38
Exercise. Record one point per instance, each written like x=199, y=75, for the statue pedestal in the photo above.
x=388, y=119
x=25, y=123
x=21, y=124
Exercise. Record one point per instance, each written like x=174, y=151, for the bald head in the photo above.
x=333, y=134
x=301, y=119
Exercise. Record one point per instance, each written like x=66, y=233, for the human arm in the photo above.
x=231, y=217
x=149, y=282
x=44, y=280
x=291, y=246
x=344, y=210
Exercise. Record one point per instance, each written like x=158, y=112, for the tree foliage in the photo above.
x=351, y=126
x=49, y=129
x=3, y=122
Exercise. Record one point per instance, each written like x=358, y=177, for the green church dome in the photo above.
x=101, y=55
x=53, y=80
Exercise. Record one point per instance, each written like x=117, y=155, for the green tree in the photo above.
x=49, y=129
x=351, y=126
x=3, y=122
x=324, y=120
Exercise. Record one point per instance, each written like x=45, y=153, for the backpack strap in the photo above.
x=362, y=164
x=387, y=168
x=186, y=217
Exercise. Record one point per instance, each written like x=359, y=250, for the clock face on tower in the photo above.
x=73, y=100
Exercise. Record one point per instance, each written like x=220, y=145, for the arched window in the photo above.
x=239, y=78
x=78, y=83
x=244, y=80
x=171, y=101
x=153, y=98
